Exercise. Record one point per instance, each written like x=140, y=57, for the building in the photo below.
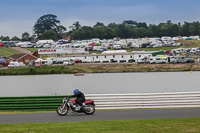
x=25, y=58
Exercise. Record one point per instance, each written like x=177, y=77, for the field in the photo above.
x=186, y=44
x=7, y=52
x=180, y=125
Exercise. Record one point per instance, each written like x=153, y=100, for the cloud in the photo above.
x=21, y=15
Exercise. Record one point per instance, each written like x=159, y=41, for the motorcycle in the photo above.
x=70, y=105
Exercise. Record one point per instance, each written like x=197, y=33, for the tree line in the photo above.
x=49, y=27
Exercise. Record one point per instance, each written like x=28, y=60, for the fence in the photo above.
x=107, y=101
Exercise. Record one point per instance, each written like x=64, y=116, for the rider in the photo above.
x=80, y=98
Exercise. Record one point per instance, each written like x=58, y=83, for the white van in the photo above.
x=16, y=64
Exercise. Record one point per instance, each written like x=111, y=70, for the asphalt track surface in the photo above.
x=100, y=116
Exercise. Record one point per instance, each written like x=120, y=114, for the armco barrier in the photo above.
x=107, y=101
x=146, y=100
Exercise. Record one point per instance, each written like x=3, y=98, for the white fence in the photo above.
x=146, y=100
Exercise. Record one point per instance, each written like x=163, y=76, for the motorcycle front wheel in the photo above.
x=89, y=109
x=62, y=110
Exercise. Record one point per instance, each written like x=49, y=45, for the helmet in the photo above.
x=76, y=91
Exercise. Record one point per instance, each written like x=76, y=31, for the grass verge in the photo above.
x=180, y=125
x=100, y=68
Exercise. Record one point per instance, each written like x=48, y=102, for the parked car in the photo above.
x=189, y=60
x=39, y=46
x=78, y=61
x=140, y=61
x=157, y=60
x=116, y=47
x=68, y=62
x=31, y=63
x=46, y=46
x=149, y=46
x=30, y=45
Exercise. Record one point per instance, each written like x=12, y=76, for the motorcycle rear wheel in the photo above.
x=62, y=110
x=89, y=109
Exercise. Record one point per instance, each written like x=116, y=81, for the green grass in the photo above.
x=7, y=52
x=159, y=48
x=181, y=125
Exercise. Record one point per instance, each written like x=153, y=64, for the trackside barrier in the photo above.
x=107, y=101
x=146, y=100
x=30, y=103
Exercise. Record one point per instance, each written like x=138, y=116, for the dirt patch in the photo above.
x=21, y=50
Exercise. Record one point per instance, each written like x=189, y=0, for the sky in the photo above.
x=19, y=16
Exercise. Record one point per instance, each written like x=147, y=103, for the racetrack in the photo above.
x=100, y=115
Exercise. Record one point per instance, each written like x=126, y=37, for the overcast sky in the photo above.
x=19, y=16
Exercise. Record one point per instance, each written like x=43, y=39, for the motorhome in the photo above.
x=41, y=62
x=170, y=59
x=44, y=42
x=194, y=50
x=179, y=59
x=178, y=51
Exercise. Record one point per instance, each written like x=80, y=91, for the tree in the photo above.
x=134, y=29
x=164, y=31
x=175, y=30
x=25, y=36
x=142, y=24
x=98, y=24
x=5, y=38
x=15, y=38
x=48, y=34
x=99, y=32
x=48, y=22
x=185, y=29
x=153, y=31
x=194, y=28
x=76, y=25
x=130, y=22
x=142, y=32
